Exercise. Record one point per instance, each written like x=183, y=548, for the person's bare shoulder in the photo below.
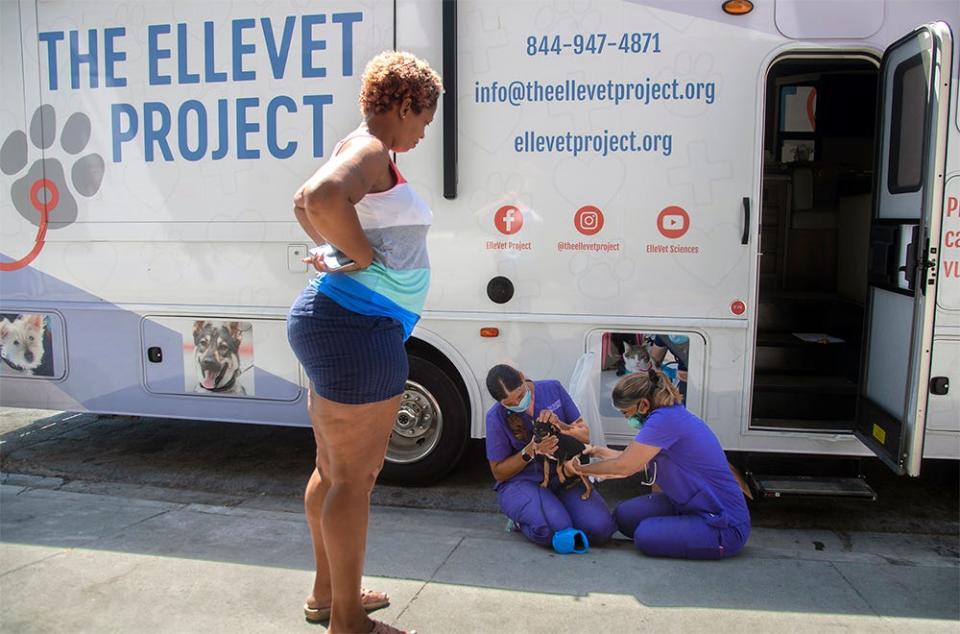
x=364, y=164
x=364, y=148
x=359, y=166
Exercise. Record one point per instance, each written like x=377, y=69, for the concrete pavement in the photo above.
x=258, y=466
x=84, y=562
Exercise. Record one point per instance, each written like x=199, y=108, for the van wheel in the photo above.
x=431, y=430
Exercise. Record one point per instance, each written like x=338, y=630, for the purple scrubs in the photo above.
x=702, y=513
x=539, y=512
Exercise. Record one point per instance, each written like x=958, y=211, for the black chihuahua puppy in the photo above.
x=568, y=448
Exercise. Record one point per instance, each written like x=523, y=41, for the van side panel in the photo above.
x=173, y=138
x=606, y=151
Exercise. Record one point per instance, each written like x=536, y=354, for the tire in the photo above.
x=432, y=428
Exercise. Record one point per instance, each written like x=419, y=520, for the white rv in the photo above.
x=759, y=197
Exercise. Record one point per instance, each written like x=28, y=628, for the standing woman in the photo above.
x=701, y=512
x=348, y=326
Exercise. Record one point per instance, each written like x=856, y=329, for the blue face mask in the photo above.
x=637, y=420
x=522, y=405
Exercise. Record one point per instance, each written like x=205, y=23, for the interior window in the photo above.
x=798, y=123
x=909, y=118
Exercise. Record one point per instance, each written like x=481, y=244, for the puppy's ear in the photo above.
x=34, y=320
x=234, y=328
x=197, y=327
x=4, y=327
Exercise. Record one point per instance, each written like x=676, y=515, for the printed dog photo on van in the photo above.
x=26, y=345
x=626, y=353
x=218, y=358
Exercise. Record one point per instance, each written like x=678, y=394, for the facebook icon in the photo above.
x=508, y=220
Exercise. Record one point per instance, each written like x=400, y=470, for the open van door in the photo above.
x=904, y=236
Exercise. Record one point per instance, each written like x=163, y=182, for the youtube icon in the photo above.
x=673, y=222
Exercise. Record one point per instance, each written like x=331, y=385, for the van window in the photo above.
x=798, y=123
x=909, y=119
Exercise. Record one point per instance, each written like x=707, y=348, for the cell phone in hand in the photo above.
x=333, y=258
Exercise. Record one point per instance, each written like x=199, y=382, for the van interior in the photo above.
x=816, y=207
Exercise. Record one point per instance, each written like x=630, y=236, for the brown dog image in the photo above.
x=217, y=357
x=568, y=448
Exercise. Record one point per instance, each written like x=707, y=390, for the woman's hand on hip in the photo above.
x=316, y=260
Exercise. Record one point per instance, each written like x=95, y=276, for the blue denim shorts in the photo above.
x=348, y=357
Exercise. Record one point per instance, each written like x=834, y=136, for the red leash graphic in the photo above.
x=44, y=207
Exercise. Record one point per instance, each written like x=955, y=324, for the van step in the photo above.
x=772, y=486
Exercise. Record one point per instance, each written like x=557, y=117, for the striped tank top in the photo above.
x=396, y=222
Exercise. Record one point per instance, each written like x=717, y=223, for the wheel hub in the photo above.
x=417, y=428
x=414, y=418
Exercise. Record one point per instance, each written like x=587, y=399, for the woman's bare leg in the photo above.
x=313, y=498
x=355, y=438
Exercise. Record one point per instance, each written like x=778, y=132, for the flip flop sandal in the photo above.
x=367, y=599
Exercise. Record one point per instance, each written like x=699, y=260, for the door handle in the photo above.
x=912, y=260
x=449, y=20
x=745, y=238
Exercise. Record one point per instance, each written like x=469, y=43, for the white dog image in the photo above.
x=21, y=344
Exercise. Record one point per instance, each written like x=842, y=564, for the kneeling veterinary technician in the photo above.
x=551, y=515
x=701, y=512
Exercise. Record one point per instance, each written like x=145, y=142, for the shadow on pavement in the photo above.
x=773, y=574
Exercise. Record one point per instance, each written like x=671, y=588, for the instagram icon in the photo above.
x=588, y=220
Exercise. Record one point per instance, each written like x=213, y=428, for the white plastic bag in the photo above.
x=583, y=388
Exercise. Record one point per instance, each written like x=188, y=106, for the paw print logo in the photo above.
x=43, y=195
x=597, y=277
x=569, y=17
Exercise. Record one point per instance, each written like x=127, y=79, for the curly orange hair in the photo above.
x=392, y=76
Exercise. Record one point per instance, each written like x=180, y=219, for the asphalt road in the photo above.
x=257, y=466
